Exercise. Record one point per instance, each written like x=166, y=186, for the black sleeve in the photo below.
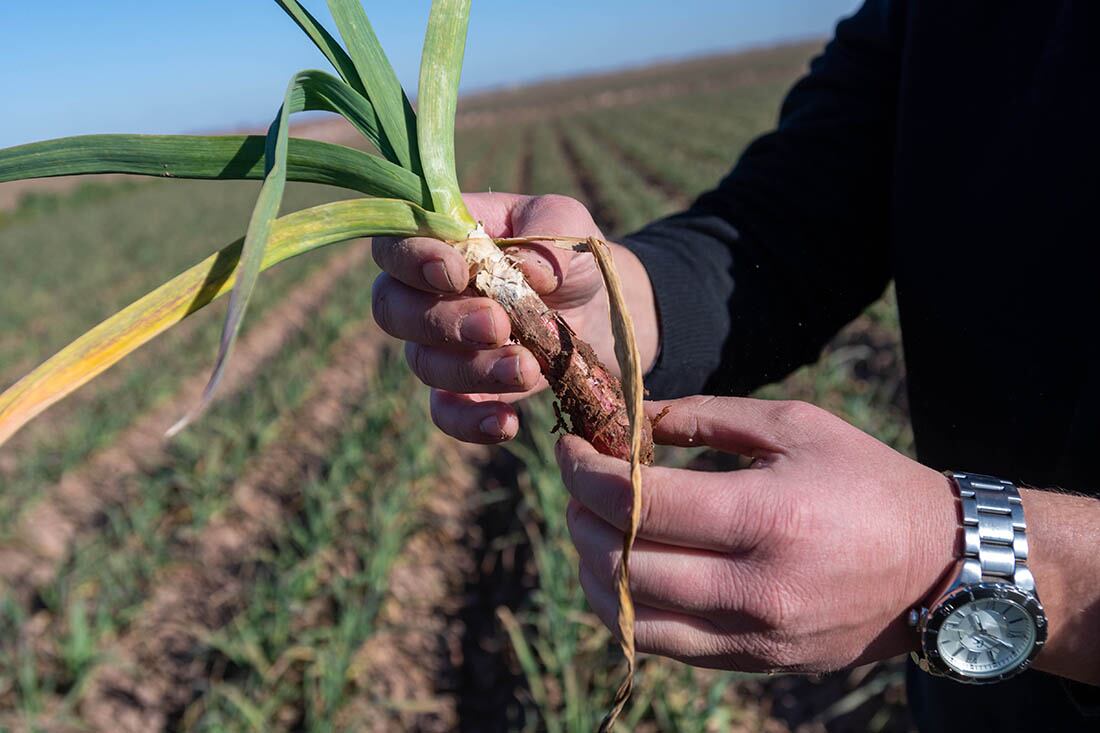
x=755, y=278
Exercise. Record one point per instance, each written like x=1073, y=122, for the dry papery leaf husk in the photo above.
x=578, y=380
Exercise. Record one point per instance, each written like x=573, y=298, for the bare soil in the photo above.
x=159, y=664
x=408, y=672
x=47, y=532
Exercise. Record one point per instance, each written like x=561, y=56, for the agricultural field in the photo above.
x=313, y=555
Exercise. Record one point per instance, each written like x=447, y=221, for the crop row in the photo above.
x=491, y=158
x=303, y=646
x=55, y=295
x=105, y=581
x=621, y=199
x=568, y=659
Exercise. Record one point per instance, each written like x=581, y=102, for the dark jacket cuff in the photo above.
x=688, y=265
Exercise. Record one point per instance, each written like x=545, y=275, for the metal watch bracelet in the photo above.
x=994, y=531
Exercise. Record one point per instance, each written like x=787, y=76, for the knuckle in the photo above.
x=725, y=586
x=438, y=325
x=621, y=503
x=783, y=521
x=794, y=418
x=381, y=302
x=572, y=516
x=429, y=366
x=777, y=654
x=414, y=355
x=762, y=652
x=465, y=379
x=775, y=606
x=766, y=521
x=563, y=205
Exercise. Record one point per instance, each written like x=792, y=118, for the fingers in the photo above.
x=413, y=315
x=684, y=580
x=547, y=268
x=474, y=418
x=435, y=266
x=739, y=425
x=723, y=512
x=656, y=631
x=422, y=263
x=510, y=369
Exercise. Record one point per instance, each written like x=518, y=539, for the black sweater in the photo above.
x=954, y=147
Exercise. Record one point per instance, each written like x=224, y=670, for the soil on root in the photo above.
x=588, y=392
x=47, y=532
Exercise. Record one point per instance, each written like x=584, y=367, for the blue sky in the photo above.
x=72, y=66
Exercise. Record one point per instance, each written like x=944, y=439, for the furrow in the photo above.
x=624, y=97
x=408, y=673
x=524, y=176
x=46, y=533
x=155, y=668
x=651, y=174
x=601, y=212
x=619, y=192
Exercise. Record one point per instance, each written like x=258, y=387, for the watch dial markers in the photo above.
x=986, y=637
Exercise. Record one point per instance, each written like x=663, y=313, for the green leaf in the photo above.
x=379, y=79
x=137, y=324
x=255, y=242
x=324, y=41
x=440, y=70
x=230, y=157
x=317, y=90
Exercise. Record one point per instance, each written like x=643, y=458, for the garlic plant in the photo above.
x=411, y=188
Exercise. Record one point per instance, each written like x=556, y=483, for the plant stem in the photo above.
x=588, y=392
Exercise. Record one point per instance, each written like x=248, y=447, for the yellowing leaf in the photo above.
x=292, y=235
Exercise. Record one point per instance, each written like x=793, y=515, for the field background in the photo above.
x=313, y=555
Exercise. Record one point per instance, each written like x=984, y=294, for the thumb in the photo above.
x=503, y=215
x=495, y=211
x=568, y=275
x=548, y=269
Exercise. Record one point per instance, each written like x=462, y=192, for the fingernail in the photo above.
x=435, y=274
x=479, y=327
x=491, y=426
x=508, y=370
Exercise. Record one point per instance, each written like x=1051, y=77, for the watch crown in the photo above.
x=915, y=616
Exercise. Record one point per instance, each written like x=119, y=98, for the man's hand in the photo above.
x=808, y=561
x=460, y=344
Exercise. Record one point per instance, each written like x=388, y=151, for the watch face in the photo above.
x=986, y=637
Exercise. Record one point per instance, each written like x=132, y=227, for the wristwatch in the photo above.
x=986, y=624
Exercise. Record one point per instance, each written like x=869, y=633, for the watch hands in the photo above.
x=987, y=638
